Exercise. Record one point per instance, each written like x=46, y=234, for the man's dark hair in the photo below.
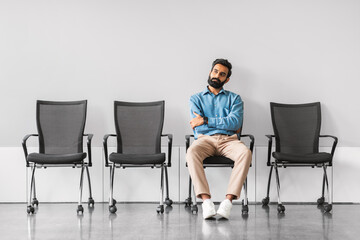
x=223, y=62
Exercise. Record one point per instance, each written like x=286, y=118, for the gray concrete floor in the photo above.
x=140, y=221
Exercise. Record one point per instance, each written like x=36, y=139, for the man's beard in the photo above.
x=215, y=83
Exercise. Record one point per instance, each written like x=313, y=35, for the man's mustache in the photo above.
x=218, y=80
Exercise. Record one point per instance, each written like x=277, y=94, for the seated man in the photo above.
x=216, y=119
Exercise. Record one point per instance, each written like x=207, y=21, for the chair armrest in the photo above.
x=25, y=147
x=334, y=143
x=252, y=140
x=170, y=140
x=88, y=143
x=106, y=148
x=270, y=137
x=187, y=140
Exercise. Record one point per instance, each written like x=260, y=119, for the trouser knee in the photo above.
x=245, y=156
x=193, y=155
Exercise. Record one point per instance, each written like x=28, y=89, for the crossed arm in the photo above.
x=231, y=122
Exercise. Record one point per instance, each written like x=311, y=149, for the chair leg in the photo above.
x=194, y=207
x=80, y=207
x=168, y=201
x=34, y=200
x=112, y=202
x=160, y=208
x=112, y=182
x=188, y=201
x=321, y=200
x=266, y=200
x=245, y=207
x=91, y=201
x=280, y=208
x=328, y=206
x=30, y=207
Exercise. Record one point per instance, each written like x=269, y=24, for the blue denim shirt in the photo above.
x=224, y=112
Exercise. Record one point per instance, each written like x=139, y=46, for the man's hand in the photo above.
x=197, y=121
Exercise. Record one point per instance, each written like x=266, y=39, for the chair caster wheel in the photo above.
x=328, y=207
x=245, y=209
x=265, y=201
x=188, y=202
x=194, y=209
x=168, y=202
x=321, y=201
x=281, y=208
x=114, y=201
x=112, y=209
x=80, y=209
x=160, y=209
x=30, y=210
x=91, y=202
x=35, y=202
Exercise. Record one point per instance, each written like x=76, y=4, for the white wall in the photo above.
x=281, y=50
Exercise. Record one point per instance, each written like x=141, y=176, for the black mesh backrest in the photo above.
x=296, y=127
x=139, y=127
x=242, y=121
x=61, y=126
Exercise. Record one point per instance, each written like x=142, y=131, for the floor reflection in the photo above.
x=85, y=220
x=31, y=222
x=141, y=220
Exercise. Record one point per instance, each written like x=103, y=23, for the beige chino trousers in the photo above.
x=218, y=145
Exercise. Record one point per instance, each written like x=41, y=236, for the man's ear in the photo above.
x=228, y=79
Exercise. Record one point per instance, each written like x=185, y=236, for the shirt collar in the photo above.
x=208, y=91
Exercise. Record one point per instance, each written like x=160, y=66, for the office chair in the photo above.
x=217, y=161
x=138, y=134
x=60, y=133
x=297, y=134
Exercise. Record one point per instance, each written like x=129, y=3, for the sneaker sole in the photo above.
x=223, y=215
x=210, y=216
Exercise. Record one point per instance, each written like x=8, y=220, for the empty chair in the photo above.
x=138, y=134
x=297, y=133
x=60, y=133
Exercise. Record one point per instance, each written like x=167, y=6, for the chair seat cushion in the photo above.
x=321, y=157
x=42, y=158
x=218, y=160
x=137, y=158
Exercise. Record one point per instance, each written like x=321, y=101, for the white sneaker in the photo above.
x=208, y=208
x=225, y=208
